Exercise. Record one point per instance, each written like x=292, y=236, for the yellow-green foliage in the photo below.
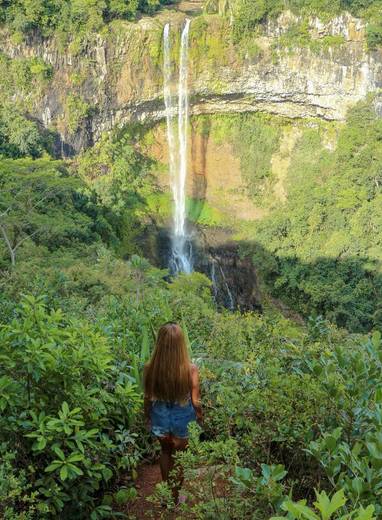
x=23, y=79
x=159, y=204
x=201, y=212
x=76, y=110
x=298, y=35
x=323, y=246
x=154, y=46
x=210, y=42
x=255, y=137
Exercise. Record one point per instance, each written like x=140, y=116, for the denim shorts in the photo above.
x=171, y=418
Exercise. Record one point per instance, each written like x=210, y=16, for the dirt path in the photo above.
x=148, y=476
x=140, y=509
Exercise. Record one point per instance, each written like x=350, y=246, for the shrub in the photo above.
x=67, y=405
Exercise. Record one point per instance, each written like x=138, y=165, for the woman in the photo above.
x=172, y=396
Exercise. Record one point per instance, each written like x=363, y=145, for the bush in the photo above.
x=351, y=453
x=374, y=35
x=68, y=406
x=19, y=137
x=72, y=16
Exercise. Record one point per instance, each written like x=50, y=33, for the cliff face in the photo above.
x=118, y=78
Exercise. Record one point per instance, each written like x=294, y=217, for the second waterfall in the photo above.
x=177, y=110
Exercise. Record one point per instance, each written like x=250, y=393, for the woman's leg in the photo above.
x=179, y=444
x=166, y=459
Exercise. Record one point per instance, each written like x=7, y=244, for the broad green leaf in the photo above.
x=75, y=469
x=59, y=452
x=374, y=451
x=75, y=457
x=357, y=485
x=52, y=467
x=329, y=506
x=299, y=510
x=64, y=473
x=65, y=408
x=365, y=514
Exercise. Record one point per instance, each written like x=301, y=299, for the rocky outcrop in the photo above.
x=118, y=75
x=234, y=281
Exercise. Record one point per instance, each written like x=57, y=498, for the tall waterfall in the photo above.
x=181, y=251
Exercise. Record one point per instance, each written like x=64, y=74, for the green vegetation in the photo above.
x=289, y=408
x=69, y=17
x=247, y=15
x=200, y=212
x=77, y=110
x=321, y=250
x=298, y=35
x=71, y=406
x=209, y=42
x=292, y=408
x=120, y=171
x=23, y=80
x=19, y=137
x=255, y=138
x=71, y=400
x=44, y=210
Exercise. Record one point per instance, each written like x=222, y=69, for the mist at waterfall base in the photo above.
x=177, y=108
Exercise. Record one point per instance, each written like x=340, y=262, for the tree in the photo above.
x=40, y=201
x=19, y=137
x=122, y=8
x=21, y=219
x=14, y=231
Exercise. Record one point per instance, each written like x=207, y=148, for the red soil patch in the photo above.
x=148, y=477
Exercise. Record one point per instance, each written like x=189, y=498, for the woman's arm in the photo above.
x=195, y=393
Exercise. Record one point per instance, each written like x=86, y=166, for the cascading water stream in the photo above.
x=231, y=304
x=181, y=251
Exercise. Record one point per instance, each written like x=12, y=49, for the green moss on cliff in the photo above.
x=209, y=43
x=76, y=111
x=248, y=16
x=159, y=206
x=201, y=212
x=23, y=80
x=298, y=36
x=255, y=138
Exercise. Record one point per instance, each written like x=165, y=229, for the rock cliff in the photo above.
x=117, y=78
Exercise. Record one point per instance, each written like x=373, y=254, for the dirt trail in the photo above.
x=140, y=509
x=148, y=476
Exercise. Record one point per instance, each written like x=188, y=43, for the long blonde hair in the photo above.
x=167, y=375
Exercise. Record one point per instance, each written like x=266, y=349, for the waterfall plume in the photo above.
x=177, y=138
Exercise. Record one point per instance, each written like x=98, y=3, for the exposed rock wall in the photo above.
x=121, y=74
x=214, y=177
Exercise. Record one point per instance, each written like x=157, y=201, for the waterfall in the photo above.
x=213, y=279
x=181, y=251
x=220, y=285
x=231, y=304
